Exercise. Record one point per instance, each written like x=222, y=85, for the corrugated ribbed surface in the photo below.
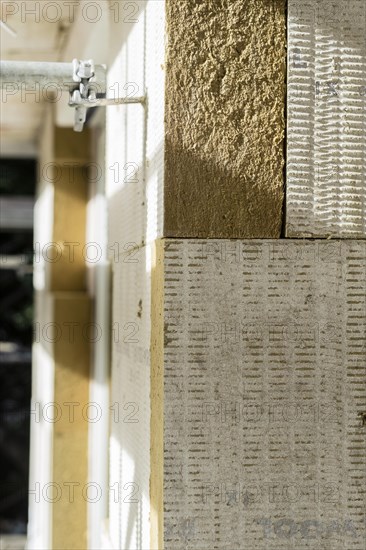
x=264, y=379
x=326, y=153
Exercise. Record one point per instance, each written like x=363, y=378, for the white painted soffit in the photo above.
x=36, y=31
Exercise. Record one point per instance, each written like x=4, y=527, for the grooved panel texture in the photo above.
x=264, y=379
x=225, y=103
x=326, y=145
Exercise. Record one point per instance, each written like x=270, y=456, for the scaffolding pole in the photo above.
x=27, y=73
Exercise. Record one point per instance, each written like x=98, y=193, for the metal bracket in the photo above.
x=85, y=97
x=84, y=81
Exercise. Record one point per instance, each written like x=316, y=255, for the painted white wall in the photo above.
x=98, y=278
x=43, y=208
x=41, y=431
x=39, y=536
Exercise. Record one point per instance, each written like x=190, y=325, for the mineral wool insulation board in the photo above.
x=129, y=508
x=264, y=378
x=135, y=135
x=326, y=142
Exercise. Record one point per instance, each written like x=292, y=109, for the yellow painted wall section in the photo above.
x=71, y=312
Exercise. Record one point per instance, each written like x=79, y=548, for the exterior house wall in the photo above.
x=162, y=181
x=208, y=327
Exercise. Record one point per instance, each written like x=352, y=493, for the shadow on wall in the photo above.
x=130, y=402
x=213, y=177
x=225, y=127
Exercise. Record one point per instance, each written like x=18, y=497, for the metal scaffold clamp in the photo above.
x=83, y=80
x=86, y=96
x=83, y=74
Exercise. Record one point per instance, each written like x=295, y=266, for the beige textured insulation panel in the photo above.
x=225, y=104
x=326, y=145
x=206, y=157
x=263, y=381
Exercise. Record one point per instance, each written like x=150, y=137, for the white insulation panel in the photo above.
x=326, y=140
x=129, y=501
x=134, y=188
x=135, y=134
x=264, y=381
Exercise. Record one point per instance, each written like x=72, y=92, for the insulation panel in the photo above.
x=130, y=403
x=264, y=379
x=326, y=141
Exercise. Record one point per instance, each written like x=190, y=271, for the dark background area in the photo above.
x=17, y=178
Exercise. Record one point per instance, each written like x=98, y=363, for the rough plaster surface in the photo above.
x=264, y=378
x=326, y=162
x=225, y=82
x=205, y=159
